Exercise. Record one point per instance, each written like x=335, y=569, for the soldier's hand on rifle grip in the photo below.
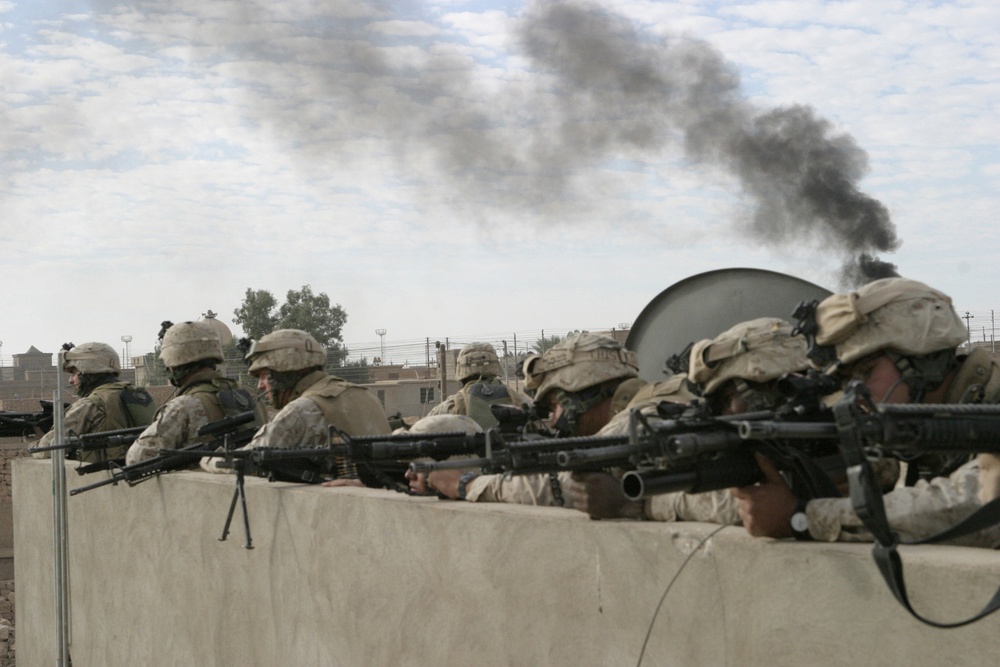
x=766, y=508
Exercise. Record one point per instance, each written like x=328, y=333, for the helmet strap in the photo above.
x=282, y=384
x=924, y=373
x=575, y=404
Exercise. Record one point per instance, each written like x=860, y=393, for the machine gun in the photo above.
x=347, y=457
x=377, y=460
x=95, y=442
x=226, y=433
x=26, y=424
x=686, y=448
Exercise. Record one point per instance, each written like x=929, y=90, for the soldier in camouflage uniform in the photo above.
x=478, y=368
x=579, y=383
x=900, y=338
x=190, y=352
x=105, y=403
x=288, y=365
x=735, y=372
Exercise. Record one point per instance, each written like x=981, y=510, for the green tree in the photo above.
x=259, y=314
x=314, y=314
x=545, y=342
x=256, y=315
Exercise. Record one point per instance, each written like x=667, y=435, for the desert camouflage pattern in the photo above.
x=578, y=362
x=100, y=410
x=644, y=397
x=286, y=350
x=477, y=359
x=84, y=416
x=93, y=358
x=709, y=507
x=176, y=425
x=321, y=400
x=187, y=342
x=537, y=489
x=300, y=424
x=914, y=512
x=927, y=507
x=756, y=351
x=519, y=489
x=892, y=313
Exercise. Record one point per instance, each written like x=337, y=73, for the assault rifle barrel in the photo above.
x=98, y=440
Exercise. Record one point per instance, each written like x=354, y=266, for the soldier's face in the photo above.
x=881, y=377
x=730, y=401
x=74, y=378
x=264, y=384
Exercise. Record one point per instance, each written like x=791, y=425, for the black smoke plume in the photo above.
x=595, y=90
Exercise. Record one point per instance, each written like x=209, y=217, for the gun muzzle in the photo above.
x=738, y=469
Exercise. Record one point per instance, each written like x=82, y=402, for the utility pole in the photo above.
x=968, y=331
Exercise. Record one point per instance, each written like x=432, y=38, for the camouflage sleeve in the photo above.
x=176, y=425
x=519, y=489
x=299, y=424
x=81, y=417
x=914, y=512
x=445, y=408
x=989, y=477
x=710, y=507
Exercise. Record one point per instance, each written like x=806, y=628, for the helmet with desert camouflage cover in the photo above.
x=889, y=314
x=286, y=350
x=92, y=359
x=916, y=326
x=578, y=362
x=187, y=342
x=477, y=360
x=582, y=371
x=754, y=351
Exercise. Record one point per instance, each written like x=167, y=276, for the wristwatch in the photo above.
x=463, y=481
x=800, y=523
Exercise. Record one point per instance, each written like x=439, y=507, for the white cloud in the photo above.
x=420, y=169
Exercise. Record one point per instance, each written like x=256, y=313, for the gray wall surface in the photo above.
x=369, y=577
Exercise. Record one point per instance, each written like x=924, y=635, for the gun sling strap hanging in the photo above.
x=866, y=499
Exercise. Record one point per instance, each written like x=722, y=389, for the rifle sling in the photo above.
x=891, y=565
x=867, y=500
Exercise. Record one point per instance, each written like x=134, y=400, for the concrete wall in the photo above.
x=366, y=577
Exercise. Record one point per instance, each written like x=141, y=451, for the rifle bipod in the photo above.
x=239, y=493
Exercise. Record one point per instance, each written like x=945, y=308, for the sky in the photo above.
x=482, y=170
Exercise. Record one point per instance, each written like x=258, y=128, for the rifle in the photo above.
x=26, y=424
x=97, y=441
x=227, y=434
x=903, y=430
x=686, y=448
